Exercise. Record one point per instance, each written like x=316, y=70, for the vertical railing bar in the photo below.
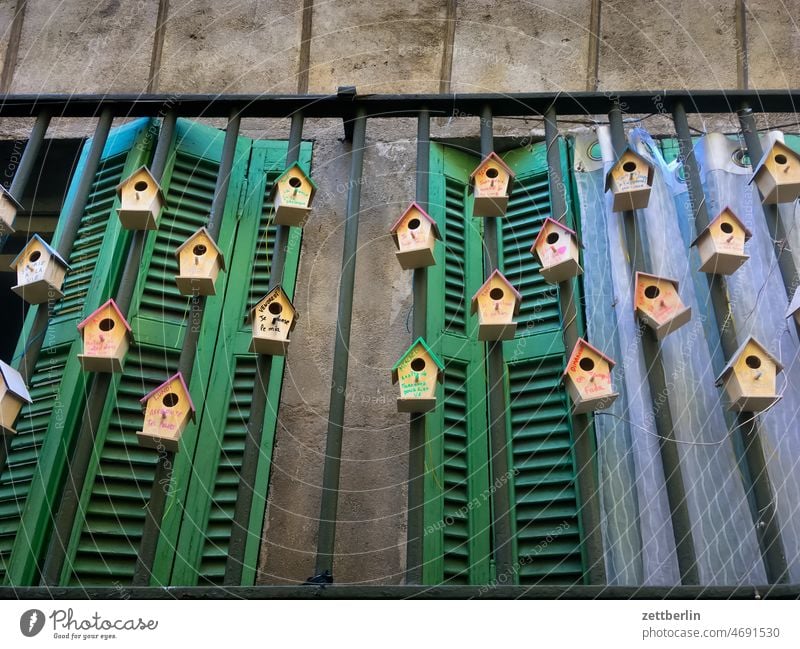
x=29, y=155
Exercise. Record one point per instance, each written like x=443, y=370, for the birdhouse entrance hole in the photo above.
x=141, y=186
x=35, y=256
x=552, y=238
x=781, y=159
x=753, y=362
x=199, y=250
x=652, y=292
x=295, y=182
x=418, y=364
x=496, y=294
x=413, y=224
x=106, y=324
x=170, y=400
x=587, y=364
x=275, y=308
x=492, y=173
x=726, y=227
x=629, y=166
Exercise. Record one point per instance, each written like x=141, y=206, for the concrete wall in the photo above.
x=416, y=46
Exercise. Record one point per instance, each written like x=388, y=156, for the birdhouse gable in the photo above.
x=413, y=211
x=723, y=225
x=582, y=348
x=721, y=244
x=587, y=377
x=496, y=281
x=750, y=346
x=631, y=166
x=293, y=171
x=490, y=161
x=777, y=175
x=143, y=182
x=37, y=244
x=275, y=294
x=5, y=195
x=775, y=160
x=659, y=304
x=418, y=344
x=173, y=385
x=14, y=382
x=548, y=226
x=107, y=309
x=201, y=238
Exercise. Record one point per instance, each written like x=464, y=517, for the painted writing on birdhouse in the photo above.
x=588, y=378
x=658, y=304
x=106, y=337
x=292, y=196
x=272, y=319
x=141, y=201
x=13, y=395
x=556, y=250
x=491, y=185
x=750, y=378
x=167, y=411
x=9, y=208
x=496, y=303
x=417, y=372
x=415, y=234
x=630, y=181
x=778, y=175
x=40, y=272
x=199, y=260
x=721, y=244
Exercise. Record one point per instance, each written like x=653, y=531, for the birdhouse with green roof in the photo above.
x=750, y=378
x=556, y=250
x=199, y=260
x=777, y=175
x=417, y=372
x=292, y=196
x=167, y=411
x=40, y=272
x=496, y=303
x=491, y=186
x=415, y=234
x=272, y=319
x=106, y=337
x=721, y=244
x=141, y=201
x=9, y=208
x=13, y=395
x=630, y=181
x=588, y=378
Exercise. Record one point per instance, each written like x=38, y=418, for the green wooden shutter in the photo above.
x=33, y=476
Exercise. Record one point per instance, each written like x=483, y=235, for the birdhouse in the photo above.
x=721, y=244
x=106, y=337
x=417, y=371
x=40, y=272
x=415, y=235
x=556, y=250
x=491, y=184
x=13, y=394
x=167, y=411
x=496, y=302
x=794, y=307
x=9, y=207
x=659, y=305
x=292, y=195
x=200, y=261
x=272, y=318
x=588, y=378
x=141, y=201
x=750, y=378
x=630, y=180
x=778, y=175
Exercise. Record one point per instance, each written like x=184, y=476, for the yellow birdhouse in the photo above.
x=778, y=175
x=200, y=261
x=659, y=305
x=167, y=411
x=40, y=272
x=9, y=207
x=750, y=378
x=415, y=234
x=292, y=195
x=588, y=378
x=13, y=394
x=630, y=181
x=272, y=319
x=721, y=244
x=496, y=302
x=794, y=307
x=141, y=201
x=417, y=371
x=106, y=337
x=491, y=184
x=556, y=249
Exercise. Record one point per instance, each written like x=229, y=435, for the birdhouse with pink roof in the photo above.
x=496, y=303
x=167, y=411
x=658, y=304
x=491, y=186
x=415, y=234
x=556, y=250
x=106, y=338
x=588, y=378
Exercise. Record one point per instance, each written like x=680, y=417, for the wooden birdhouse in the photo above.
x=659, y=305
x=556, y=249
x=750, y=378
x=106, y=337
x=292, y=195
x=794, y=307
x=721, y=244
x=496, y=302
x=13, y=394
x=40, y=272
x=272, y=319
x=167, y=411
x=9, y=208
x=417, y=371
x=588, y=378
x=200, y=261
x=491, y=184
x=415, y=235
x=778, y=175
x=141, y=201
x=630, y=181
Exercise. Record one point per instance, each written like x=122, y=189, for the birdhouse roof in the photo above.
x=177, y=376
x=10, y=198
x=204, y=231
x=299, y=167
x=581, y=344
x=425, y=215
x=777, y=144
x=105, y=304
x=52, y=251
x=738, y=353
x=628, y=151
x=498, y=160
x=272, y=290
x=733, y=217
x=150, y=175
x=14, y=382
x=672, y=281
x=431, y=353
x=557, y=224
x=794, y=305
x=504, y=279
